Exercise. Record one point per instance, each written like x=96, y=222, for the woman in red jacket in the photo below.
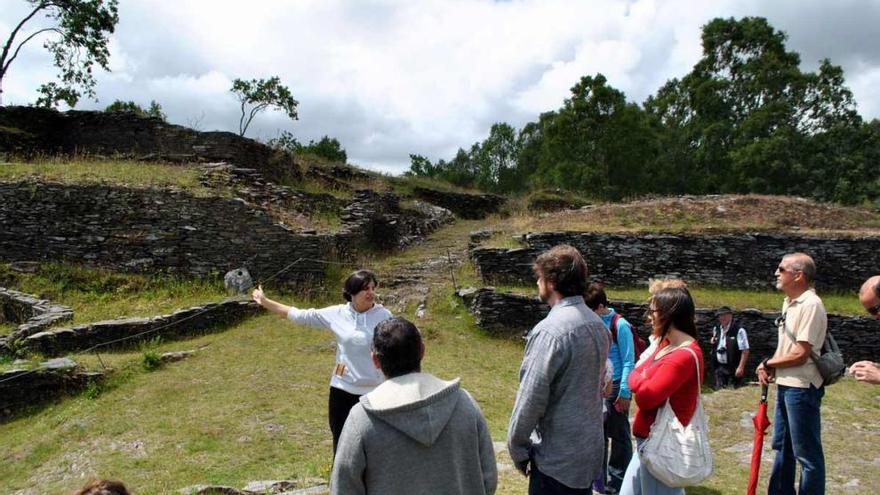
x=670, y=374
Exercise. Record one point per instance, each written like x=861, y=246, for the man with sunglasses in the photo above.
x=797, y=428
x=869, y=296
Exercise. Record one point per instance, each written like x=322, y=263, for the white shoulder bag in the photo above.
x=679, y=455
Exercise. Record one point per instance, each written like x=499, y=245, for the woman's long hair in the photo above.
x=675, y=308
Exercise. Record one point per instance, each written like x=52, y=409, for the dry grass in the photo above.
x=705, y=214
x=126, y=173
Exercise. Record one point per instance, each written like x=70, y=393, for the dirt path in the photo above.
x=406, y=277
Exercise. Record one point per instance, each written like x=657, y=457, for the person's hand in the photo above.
x=258, y=296
x=713, y=340
x=606, y=391
x=866, y=371
x=621, y=405
x=740, y=371
x=764, y=376
x=523, y=467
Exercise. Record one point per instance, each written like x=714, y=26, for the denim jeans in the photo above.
x=619, y=453
x=639, y=481
x=797, y=436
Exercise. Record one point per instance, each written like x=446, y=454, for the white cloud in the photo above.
x=389, y=78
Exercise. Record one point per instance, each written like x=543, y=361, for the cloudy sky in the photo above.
x=390, y=78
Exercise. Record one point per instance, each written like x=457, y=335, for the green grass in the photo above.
x=97, y=294
x=118, y=172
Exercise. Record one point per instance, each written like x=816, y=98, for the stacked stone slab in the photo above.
x=130, y=331
x=730, y=260
x=20, y=388
x=33, y=314
x=150, y=230
x=515, y=314
x=463, y=205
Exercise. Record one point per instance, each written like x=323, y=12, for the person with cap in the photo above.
x=731, y=350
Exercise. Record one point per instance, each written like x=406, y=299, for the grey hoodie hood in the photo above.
x=418, y=405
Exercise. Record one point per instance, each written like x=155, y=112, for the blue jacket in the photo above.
x=622, y=353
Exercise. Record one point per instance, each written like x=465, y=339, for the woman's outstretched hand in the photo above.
x=258, y=296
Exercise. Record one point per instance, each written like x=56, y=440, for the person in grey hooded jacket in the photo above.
x=414, y=433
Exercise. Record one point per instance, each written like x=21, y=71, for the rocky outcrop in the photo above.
x=515, y=314
x=124, y=332
x=33, y=314
x=21, y=388
x=731, y=260
x=463, y=205
x=31, y=130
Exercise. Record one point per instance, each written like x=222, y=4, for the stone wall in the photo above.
x=730, y=260
x=30, y=130
x=462, y=204
x=189, y=321
x=20, y=388
x=515, y=314
x=33, y=314
x=150, y=230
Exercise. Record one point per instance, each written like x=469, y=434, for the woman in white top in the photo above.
x=353, y=324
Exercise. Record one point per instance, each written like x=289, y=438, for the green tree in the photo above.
x=328, y=148
x=257, y=95
x=743, y=118
x=419, y=166
x=496, y=159
x=76, y=33
x=597, y=143
x=154, y=110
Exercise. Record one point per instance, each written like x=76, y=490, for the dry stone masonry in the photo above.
x=149, y=230
x=20, y=388
x=33, y=314
x=731, y=260
x=464, y=205
x=189, y=321
x=514, y=314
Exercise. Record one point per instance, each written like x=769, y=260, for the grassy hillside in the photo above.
x=251, y=404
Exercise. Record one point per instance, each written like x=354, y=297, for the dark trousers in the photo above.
x=724, y=378
x=620, y=452
x=541, y=484
x=340, y=404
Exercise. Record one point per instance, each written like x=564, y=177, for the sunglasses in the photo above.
x=782, y=269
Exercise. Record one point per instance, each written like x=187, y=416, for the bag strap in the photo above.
x=613, y=326
x=813, y=355
x=699, y=375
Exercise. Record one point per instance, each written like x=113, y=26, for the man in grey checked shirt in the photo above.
x=555, y=434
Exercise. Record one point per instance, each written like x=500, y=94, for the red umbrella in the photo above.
x=762, y=422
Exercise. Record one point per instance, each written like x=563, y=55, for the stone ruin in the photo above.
x=744, y=260
x=31, y=313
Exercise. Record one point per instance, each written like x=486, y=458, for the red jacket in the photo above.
x=673, y=377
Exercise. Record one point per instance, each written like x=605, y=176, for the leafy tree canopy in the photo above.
x=154, y=110
x=257, y=95
x=76, y=33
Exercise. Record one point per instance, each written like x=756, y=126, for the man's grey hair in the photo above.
x=803, y=263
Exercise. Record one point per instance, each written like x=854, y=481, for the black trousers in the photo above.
x=339, y=406
x=725, y=378
x=617, y=430
x=541, y=484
